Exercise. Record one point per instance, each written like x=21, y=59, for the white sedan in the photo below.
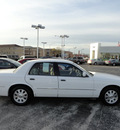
x=57, y=78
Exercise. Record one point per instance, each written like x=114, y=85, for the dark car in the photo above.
x=78, y=60
x=47, y=57
x=113, y=62
x=6, y=63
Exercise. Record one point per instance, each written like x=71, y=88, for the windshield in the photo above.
x=15, y=62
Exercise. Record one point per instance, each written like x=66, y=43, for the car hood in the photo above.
x=105, y=76
x=7, y=70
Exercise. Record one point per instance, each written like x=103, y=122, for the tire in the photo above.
x=110, y=96
x=95, y=63
x=21, y=95
x=114, y=64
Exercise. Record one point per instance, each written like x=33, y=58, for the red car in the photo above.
x=25, y=60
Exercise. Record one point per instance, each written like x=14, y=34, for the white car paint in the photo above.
x=52, y=86
x=75, y=87
x=45, y=86
x=101, y=80
x=7, y=70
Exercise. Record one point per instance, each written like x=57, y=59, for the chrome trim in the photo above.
x=67, y=89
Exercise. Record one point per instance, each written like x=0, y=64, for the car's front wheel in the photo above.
x=21, y=95
x=110, y=96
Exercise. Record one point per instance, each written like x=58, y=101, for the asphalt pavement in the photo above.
x=62, y=113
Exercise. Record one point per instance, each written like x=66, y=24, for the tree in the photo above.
x=107, y=55
x=56, y=52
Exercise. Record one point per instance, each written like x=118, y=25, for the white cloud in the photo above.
x=84, y=21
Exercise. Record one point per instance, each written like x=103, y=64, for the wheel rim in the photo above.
x=111, y=96
x=20, y=96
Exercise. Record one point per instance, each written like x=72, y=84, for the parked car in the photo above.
x=25, y=60
x=47, y=57
x=113, y=62
x=28, y=56
x=95, y=62
x=57, y=78
x=4, y=56
x=86, y=59
x=6, y=63
x=14, y=57
x=78, y=60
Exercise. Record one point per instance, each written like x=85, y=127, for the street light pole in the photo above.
x=74, y=50
x=63, y=44
x=44, y=48
x=81, y=51
x=39, y=26
x=24, y=44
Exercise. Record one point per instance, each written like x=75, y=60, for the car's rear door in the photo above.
x=43, y=79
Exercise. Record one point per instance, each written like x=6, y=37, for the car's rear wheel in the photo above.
x=21, y=95
x=110, y=96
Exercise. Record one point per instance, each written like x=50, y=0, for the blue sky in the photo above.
x=85, y=21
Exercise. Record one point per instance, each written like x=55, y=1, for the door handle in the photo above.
x=32, y=79
x=63, y=80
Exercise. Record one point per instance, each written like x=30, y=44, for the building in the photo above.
x=105, y=52
x=68, y=54
x=32, y=51
x=12, y=50
x=15, y=51
x=57, y=53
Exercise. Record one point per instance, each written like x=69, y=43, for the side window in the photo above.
x=69, y=70
x=5, y=63
x=42, y=69
x=1, y=63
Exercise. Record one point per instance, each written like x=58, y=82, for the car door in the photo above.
x=43, y=80
x=99, y=62
x=72, y=83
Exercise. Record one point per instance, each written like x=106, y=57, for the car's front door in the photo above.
x=72, y=83
x=43, y=80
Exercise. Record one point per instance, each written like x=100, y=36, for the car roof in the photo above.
x=51, y=60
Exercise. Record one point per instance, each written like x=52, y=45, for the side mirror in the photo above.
x=84, y=74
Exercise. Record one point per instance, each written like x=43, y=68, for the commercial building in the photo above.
x=15, y=51
x=12, y=50
x=32, y=51
x=105, y=52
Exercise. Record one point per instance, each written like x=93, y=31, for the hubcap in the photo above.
x=20, y=96
x=111, y=96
